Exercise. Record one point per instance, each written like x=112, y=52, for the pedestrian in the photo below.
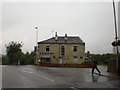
x=94, y=66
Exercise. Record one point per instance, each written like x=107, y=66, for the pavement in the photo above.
x=30, y=76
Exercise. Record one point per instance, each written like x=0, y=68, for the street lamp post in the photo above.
x=116, y=37
x=36, y=44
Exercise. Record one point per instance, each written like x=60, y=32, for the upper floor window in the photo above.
x=75, y=48
x=62, y=50
x=47, y=48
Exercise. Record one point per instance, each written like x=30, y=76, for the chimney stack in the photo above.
x=65, y=37
x=56, y=38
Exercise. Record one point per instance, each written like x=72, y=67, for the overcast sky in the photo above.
x=92, y=21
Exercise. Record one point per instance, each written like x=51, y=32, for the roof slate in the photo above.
x=61, y=40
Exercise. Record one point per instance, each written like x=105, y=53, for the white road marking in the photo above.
x=48, y=79
x=74, y=88
x=40, y=75
x=25, y=71
x=45, y=77
x=30, y=72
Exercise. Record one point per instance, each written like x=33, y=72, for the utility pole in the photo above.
x=36, y=61
x=116, y=35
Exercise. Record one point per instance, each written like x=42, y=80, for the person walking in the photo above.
x=94, y=66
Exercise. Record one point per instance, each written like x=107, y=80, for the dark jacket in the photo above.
x=94, y=63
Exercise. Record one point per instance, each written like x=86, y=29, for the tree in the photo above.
x=4, y=60
x=103, y=58
x=14, y=52
x=29, y=58
x=32, y=57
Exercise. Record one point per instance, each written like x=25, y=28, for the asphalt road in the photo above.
x=0, y=76
x=28, y=76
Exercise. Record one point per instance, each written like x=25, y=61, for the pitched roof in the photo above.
x=61, y=40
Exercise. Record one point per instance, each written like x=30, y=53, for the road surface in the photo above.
x=29, y=76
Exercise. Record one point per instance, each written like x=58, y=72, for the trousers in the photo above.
x=95, y=67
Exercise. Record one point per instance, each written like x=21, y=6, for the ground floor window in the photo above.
x=60, y=60
x=87, y=59
x=75, y=59
x=45, y=60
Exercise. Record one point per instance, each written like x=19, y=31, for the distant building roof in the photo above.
x=61, y=40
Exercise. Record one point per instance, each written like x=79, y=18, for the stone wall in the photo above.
x=55, y=53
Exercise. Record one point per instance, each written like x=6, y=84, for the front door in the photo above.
x=61, y=60
x=75, y=59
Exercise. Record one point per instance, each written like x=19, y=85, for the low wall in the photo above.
x=112, y=66
x=83, y=65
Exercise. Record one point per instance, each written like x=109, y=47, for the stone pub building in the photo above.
x=62, y=51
